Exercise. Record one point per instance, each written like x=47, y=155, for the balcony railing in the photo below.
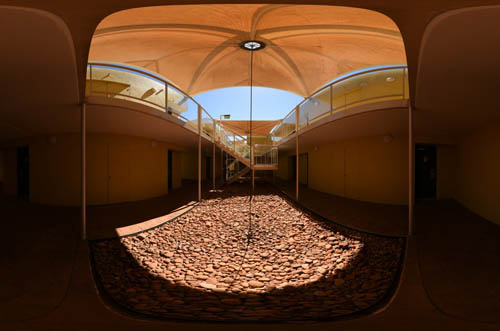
x=360, y=88
x=117, y=81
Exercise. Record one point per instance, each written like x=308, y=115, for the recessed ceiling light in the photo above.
x=252, y=45
x=390, y=79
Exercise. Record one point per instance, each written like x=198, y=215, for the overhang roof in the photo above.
x=197, y=46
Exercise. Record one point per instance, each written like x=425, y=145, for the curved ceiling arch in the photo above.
x=308, y=45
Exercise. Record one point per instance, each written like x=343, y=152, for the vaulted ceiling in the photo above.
x=197, y=47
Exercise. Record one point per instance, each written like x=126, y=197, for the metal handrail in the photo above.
x=219, y=127
x=145, y=72
x=339, y=80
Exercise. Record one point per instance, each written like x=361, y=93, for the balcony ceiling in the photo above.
x=197, y=46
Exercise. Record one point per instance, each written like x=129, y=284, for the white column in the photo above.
x=297, y=153
x=411, y=172
x=83, y=129
x=199, y=153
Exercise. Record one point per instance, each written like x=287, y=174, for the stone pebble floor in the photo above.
x=203, y=266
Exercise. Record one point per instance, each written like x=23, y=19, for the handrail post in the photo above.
x=166, y=97
x=90, y=82
x=199, y=153
x=297, y=109
x=411, y=172
x=404, y=82
x=331, y=99
x=83, y=128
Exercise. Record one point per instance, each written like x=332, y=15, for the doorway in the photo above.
x=425, y=171
x=169, y=169
x=208, y=168
x=23, y=173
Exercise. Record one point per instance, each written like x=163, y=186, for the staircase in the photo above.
x=236, y=147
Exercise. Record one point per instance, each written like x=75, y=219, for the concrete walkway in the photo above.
x=55, y=290
x=391, y=220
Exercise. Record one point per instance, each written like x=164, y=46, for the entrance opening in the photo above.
x=23, y=173
x=425, y=171
x=208, y=168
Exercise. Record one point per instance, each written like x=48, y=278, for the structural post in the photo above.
x=199, y=153
x=411, y=172
x=83, y=129
x=213, y=159
x=252, y=166
x=297, y=109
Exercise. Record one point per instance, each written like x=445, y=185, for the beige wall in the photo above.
x=366, y=169
x=190, y=164
x=119, y=169
x=478, y=172
x=176, y=170
x=55, y=170
x=123, y=168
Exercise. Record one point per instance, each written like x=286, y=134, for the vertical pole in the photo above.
x=90, y=81
x=297, y=153
x=252, y=166
x=213, y=160
x=83, y=123
x=199, y=153
x=411, y=172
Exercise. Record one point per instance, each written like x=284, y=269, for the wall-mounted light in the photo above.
x=390, y=79
x=153, y=143
x=52, y=140
x=363, y=84
x=315, y=148
x=388, y=138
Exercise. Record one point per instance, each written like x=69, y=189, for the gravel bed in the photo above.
x=207, y=265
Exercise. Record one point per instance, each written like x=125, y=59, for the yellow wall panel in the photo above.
x=478, y=175
x=366, y=169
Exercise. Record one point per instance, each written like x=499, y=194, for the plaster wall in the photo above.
x=366, y=169
x=119, y=169
x=478, y=176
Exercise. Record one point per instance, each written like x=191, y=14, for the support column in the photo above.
x=252, y=167
x=213, y=159
x=199, y=153
x=83, y=129
x=297, y=109
x=411, y=172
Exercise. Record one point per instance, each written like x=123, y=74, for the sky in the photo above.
x=268, y=103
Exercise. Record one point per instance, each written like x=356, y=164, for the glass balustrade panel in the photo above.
x=125, y=84
x=315, y=107
x=383, y=85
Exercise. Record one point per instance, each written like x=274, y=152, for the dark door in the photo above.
x=208, y=168
x=169, y=170
x=23, y=173
x=425, y=171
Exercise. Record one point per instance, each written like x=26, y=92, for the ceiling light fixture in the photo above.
x=252, y=45
x=390, y=79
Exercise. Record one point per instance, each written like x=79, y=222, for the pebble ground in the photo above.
x=211, y=265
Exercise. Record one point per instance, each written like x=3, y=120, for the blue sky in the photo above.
x=268, y=103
